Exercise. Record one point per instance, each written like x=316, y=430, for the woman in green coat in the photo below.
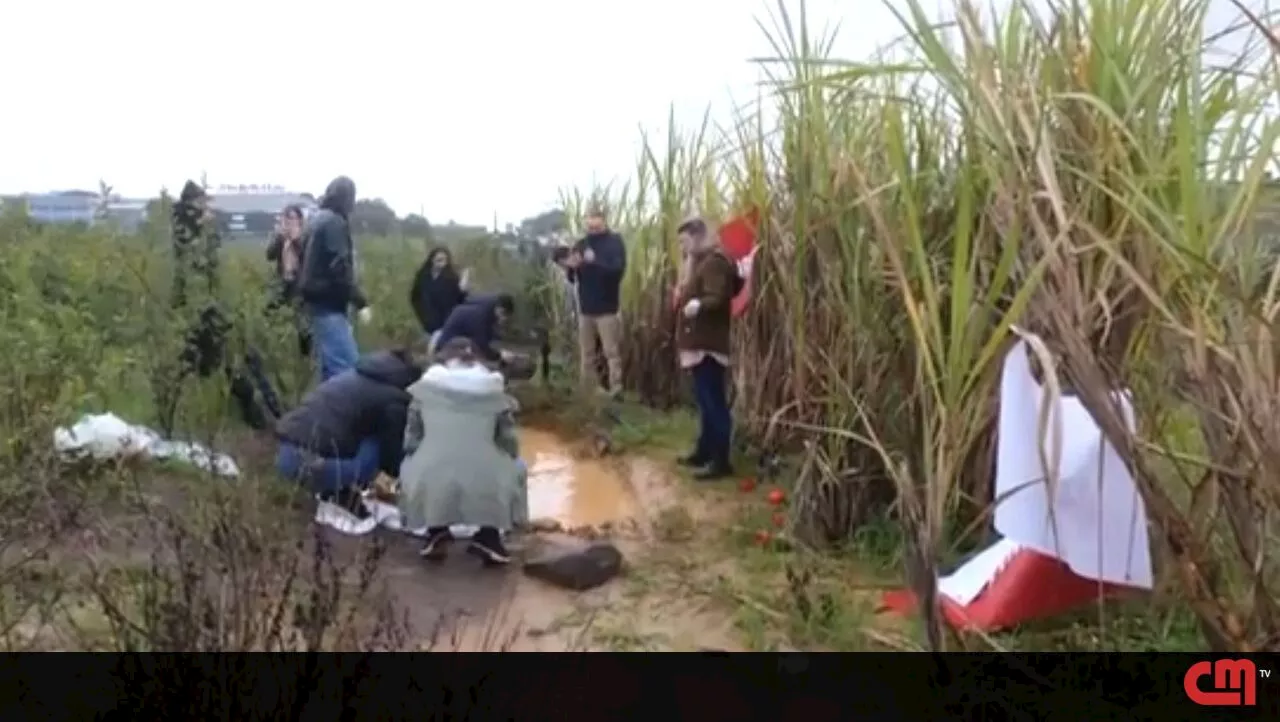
x=462, y=462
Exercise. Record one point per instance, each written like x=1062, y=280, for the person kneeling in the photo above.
x=462, y=464
x=348, y=429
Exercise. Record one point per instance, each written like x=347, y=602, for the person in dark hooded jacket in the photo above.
x=349, y=428
x=208, y=333
x=327, y=280
x=437, y=290
x=478, y=321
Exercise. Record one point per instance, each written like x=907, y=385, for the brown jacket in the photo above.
x=711, y=282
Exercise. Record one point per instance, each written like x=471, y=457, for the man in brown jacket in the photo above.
x=709, y=283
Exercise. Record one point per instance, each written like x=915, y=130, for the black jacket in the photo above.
x=369, y=400
x=275, y=254
x=327, y=281
x=433, y=298
x=474, y=320
x=600, y=281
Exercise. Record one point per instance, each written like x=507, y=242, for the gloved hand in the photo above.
x=691, y=308
x=365, y=315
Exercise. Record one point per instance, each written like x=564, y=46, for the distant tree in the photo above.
x=374, y=218
x=415, y=226
x=104, y=200
x=545, y=224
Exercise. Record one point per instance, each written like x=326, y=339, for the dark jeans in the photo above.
x=329, y=475
x=715, y=426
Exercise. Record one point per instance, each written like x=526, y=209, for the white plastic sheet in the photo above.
x=1099, y=524
x=107, y=436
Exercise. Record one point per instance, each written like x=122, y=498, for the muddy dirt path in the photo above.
x=627, y=500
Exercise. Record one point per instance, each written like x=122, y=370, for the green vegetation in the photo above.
x=1087, y=172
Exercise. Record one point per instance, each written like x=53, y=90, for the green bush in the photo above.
x=123, y=556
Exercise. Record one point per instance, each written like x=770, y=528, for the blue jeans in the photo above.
x=329, y=475
x=335, y=343
x=715, y=425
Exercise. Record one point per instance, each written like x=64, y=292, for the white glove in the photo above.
x=365, y=315
x=691, y=308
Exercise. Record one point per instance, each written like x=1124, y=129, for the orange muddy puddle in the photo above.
x=574, y=492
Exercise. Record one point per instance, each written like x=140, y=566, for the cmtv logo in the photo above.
x=1235, y=683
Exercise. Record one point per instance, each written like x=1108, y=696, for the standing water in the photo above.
x=574, y=492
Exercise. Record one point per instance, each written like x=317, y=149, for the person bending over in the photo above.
x=348, y=429
x=462, y=462
x=478, y=321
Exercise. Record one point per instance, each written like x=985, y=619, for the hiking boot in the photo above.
x=717, y=470
x=487, y=544
x=437, y=546
x=692, y=461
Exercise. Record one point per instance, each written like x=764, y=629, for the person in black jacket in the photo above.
x=349, y=428
x=597, y=264
x=285, y=251
x=327, y=281
x=437, y=290
x=478, y=321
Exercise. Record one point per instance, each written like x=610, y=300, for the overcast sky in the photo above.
x=462, y=109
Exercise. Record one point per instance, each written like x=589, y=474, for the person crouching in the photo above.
x=702, y=338
x=348, y=429
x=462, y=462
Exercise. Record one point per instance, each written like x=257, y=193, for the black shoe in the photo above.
x=349, y=500
x=720, y=470
x=692, y=461
x=487, y=544
x=437, y=546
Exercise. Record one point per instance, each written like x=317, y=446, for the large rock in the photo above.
x=574, y=564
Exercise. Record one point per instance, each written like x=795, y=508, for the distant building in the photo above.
x=62, y=206
x=252, y=210
x=128, y=215
x=81, y=207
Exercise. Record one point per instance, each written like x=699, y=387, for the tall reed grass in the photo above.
x=1078, y=168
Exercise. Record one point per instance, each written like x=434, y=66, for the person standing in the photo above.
x=327, y=280
x=285, y=251
x=709, y=284
x=437, y=290
x=597, y=264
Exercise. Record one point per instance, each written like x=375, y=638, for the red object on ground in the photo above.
x=779, y=519
x=1031, y=586
x=747, y=485
x=763, y=537
x=776, y=497
x=738, y=239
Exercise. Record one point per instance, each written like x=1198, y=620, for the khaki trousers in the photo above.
x=608, y=329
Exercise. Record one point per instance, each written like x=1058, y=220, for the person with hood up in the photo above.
x=478, y=321
x=327, y=280
x=462, y=464
x=437, y=290
x=208, y=334
x=347, y=430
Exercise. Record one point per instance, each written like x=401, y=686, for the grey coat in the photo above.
x=461, y=455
